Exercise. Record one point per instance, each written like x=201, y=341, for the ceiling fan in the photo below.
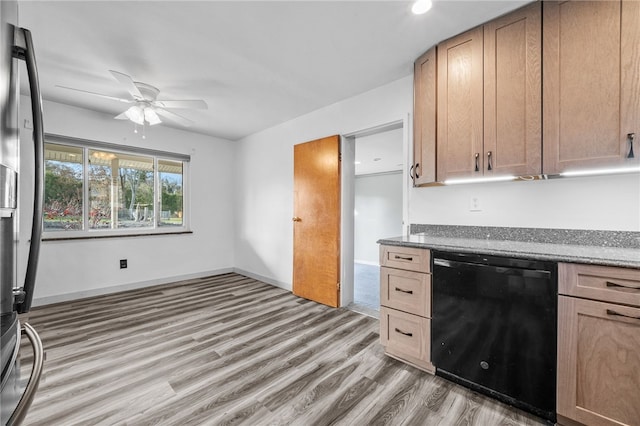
x=146, y=109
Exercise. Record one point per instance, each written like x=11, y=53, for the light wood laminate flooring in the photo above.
x=228, y=349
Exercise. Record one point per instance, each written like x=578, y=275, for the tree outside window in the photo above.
x=170, y=175
x=63, y=191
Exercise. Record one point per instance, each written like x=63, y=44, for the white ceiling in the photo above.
x=256, y=63
x=379, y=152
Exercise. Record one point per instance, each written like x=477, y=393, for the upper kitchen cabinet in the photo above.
x=591, y=84
x=424, y=123
x=489, y=99
x=460, y=104
x=512, y=94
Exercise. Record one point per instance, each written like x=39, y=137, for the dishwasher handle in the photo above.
x=521, y=272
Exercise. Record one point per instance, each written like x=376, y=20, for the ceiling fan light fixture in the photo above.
x=421, y=6
x=135, y=114
x=151, y=116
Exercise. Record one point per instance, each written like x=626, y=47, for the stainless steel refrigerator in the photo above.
x=16, y=46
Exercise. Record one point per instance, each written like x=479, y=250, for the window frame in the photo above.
x=156, y=156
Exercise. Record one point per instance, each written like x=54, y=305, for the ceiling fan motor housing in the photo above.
x=149, y=92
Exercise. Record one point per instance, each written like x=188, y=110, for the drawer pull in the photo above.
x=402, y=332
x=404, y=258
x=404, y=291
x=612, y=284
x=612, y=312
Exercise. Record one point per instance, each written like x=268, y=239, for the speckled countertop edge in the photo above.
x=564, y=251
x=580, y=237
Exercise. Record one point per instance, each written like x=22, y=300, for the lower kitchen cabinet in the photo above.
x=598, y=348
x=405, y=299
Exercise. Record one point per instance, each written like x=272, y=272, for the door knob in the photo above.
x=297, y=219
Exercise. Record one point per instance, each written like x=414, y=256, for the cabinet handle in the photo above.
x=402, y=332
x=404, y=258
x=612, y=312
x=411, y=174
x=489, y=168
x=477, y=158
x=404, y=291
x=417, y=166
x=612, y=284
x=630, y=138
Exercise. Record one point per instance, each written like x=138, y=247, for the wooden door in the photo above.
x=598, y=362
x=424, y=120
x=460, y=106
x=591, y=83
x=316, y=222
x=512, y=93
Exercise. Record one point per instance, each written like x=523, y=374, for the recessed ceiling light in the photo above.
x=421, y=6
x=357, y=162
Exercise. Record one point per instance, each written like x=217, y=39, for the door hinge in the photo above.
x=338, y=286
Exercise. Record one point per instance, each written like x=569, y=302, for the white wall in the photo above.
x=596, y=202
x=264, y=176
x=264, y=186
x=378, y=205
x=70, y=269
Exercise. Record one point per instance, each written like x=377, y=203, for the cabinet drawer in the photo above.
x=605, y=283
x=405, y=334
x=406, y=291
x=409, y=258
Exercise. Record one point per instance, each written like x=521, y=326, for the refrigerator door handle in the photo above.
x=25, y=52
x=34, y=380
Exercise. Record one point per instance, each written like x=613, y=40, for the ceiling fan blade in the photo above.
x=122, y=116
x=191, y=104
x=126, y=101
x=174, y=117
x=127, y=81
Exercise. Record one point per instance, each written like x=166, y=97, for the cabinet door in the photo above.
x=512, y=94
x=424, y=120
x=598, y=362
x=591, y=83
x=460, y=106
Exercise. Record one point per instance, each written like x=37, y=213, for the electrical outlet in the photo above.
x=123, y=263
x=474, y=204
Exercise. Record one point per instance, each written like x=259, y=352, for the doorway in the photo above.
x=378, y=192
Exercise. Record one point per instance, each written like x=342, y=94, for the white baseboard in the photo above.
x=40, y=301
x=275, y=283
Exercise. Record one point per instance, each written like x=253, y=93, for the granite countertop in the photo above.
x=610, y=248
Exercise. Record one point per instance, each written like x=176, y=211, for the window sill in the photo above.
x=46, y=238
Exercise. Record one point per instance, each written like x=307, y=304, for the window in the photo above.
x=96, y=188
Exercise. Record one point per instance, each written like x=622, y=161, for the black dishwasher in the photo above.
x=494, y=327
